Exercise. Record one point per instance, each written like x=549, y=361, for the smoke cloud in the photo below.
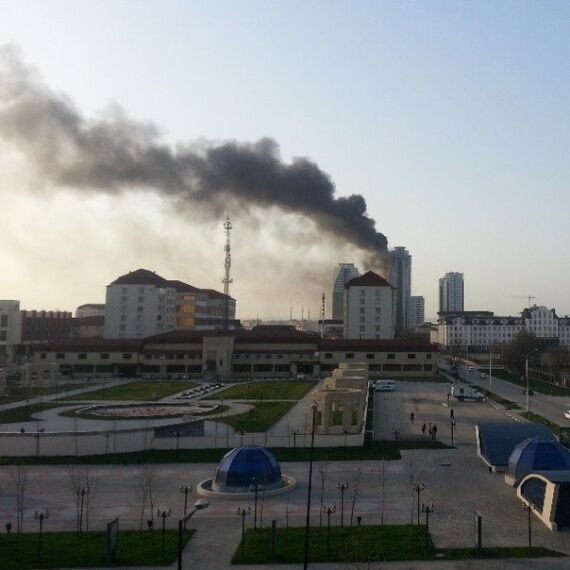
x=116, y=154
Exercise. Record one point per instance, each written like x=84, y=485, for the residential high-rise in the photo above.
x=401, y=280
x=10, y=329
x=369, y=308
x=344, y=273
x=451, y=292
x=416, y=312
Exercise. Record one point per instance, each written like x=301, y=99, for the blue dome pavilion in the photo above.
x=537, y=454
x=247, y=465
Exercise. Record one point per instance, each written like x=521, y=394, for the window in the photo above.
x=43, y=355
x=391, y=356
x=361, y=310
x=349, y=355
x=377, y=310
x=124, y=290
x=3, y=335
x=82, y=356
x=139, y=309
x=123, y=318
x=370, y=356
x=377, y=328
x=124, y=299
x=428, y=356
x=328, y=355
x=411, y=356
x=4, y=321
x=105, y=356
x=141, y=290
x=60, y=356
x=122, y=327
x=361, y=329
x=127, y=356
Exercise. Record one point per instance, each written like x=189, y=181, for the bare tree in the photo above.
x=20, y=483
x=322, y=472
x=144, y=491
x=355, y=491
x=82, y=486
x=414, y=472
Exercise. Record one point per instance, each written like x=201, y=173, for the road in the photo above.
x=551, y=407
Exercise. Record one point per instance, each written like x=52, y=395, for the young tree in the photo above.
x=557, y=359
x=144, y=491
x=20, y=483
x=82, y=486
x=355, y=491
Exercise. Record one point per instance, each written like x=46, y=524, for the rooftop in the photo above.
x=368, y=279
x=141, y=277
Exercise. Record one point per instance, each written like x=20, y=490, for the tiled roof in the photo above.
x=374, y=344
x=141, y=277
x=368, y=279
x=182, y=287
x=94, y=345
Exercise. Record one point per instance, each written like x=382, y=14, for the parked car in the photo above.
x=567, y=414
x=482, y=376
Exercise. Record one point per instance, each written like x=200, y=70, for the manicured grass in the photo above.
x=260, y=418
x=16, y=393
x=507, y=404
x=25, y=413
x=276, y=390
x=137, y=391
x=535, y=385
x=70, y=550
x=363, y=544
x=347, y=544
x=373, y=450
x=536, y=418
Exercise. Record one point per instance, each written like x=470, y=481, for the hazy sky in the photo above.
x=451, y=118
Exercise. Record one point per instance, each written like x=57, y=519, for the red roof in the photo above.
x=368, y=279
x=360, y=345
x=142, y=277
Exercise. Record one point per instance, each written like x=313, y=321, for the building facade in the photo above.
x=343, y=274
x=401, y=280
x=478, y=330
x=10, y=329
x=451, y=292
x=369, y=308
x=264, y=351
x=416, y=312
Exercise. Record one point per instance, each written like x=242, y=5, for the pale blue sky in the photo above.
x=451, y=118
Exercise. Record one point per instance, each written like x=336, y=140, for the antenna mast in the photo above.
x=227, y=280
x=323, y=315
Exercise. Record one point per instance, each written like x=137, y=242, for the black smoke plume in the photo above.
x=117, y=153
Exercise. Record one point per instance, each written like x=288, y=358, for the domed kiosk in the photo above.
x=536, y=454
x=243, y=467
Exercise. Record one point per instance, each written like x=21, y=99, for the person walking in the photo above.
x=424, y=429
x=434, y=431
x=412, y=417
x=452, y=414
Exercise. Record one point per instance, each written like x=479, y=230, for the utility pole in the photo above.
x=227, y=280
x=323, y=315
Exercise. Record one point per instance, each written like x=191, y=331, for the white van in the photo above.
x=384, y=385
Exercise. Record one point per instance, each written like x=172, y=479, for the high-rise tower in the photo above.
x=451, y=292
x=344, y=273
x=401, y=279
x=227, y=280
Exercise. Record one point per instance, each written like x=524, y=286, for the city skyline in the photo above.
x=476, y=149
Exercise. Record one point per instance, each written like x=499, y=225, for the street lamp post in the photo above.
x=41, y=516
x=255, y=488
x=163, y=514
x=82, y=492
x=418, y=488
x=329, y=511
x=427, y=509
x=528, y=508
x=243, y=513
x=185, y=490
x=199, y=505
x=342, y=487
x=308, y=517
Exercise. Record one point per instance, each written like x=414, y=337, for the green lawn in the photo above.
x=536, y=385
x=362, y=544
x=15, y=393
x=276, y=390
x=536, y=418
x=70, y=550
x=139, y=391
x=25, y=413
x=260, y=418
x=373, y=450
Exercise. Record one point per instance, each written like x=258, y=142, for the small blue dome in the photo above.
x=537, y=454
x=247, y=465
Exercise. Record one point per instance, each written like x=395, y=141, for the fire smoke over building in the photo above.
x=116, y=154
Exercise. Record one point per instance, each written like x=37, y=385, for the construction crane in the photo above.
x=528, y=297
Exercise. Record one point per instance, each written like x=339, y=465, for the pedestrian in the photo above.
x=448, y=396
x=452, y=414
x=423, y=429
x=412, y=417
x=434, y=431
x=429, y=428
